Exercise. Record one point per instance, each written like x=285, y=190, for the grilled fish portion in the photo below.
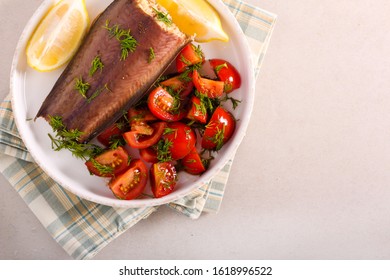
x=126, y=50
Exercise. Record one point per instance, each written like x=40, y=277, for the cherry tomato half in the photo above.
x=177, y=141
x=197, y=111
x=109, y=163
x=210, y=88
x=165, y=106
x=131, y=183
x=189, y=56
x=111, y=134
x=177, y=84
x=219, y=129
x=193, y=163
x=227, y=73
x=163, y=178
x=148, y=155
x=140, y=141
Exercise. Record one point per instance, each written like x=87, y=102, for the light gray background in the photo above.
x=311, y=179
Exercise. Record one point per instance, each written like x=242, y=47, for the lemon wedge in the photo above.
x=196, y=17
x=58, y=35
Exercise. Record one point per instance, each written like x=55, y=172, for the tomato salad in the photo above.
x=164, y=128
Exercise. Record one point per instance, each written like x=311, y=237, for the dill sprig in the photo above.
x=82, y=87
x=127, y=41
x=220, y=66
x=152, y=55
x=97, y=93
x=96, y=64
x=69, y=140
x=102, y=168
x=163, y=150
x=164, y=17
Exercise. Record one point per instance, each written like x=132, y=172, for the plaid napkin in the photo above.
x=82, y=227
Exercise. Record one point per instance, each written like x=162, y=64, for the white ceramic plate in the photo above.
x=29, y=89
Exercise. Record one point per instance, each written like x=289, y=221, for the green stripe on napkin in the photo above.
x=82, y=228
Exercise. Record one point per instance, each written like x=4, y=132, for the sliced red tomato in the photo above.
x=177, y=84
x=227, y=73
x=148, y=155
x=111, y=134
x=140, y=141
x=219, y=129
x=193, y=163
x=109, y=163
x=163, y=178
x=210, y=88
x=140, y=114
x=139, y=118
x=165, y=106
x=177, y=141
x=189, y=55
x=197, y=111
x=131, y=183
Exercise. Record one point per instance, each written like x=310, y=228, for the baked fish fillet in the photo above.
x=90, y=98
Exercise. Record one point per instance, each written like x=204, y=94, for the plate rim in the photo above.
x=136, y=203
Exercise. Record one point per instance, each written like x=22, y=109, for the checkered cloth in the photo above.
x=82, y=227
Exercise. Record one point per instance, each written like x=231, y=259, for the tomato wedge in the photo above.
x=210, y=88
x=189, y=55
x=110, y=134
x=219, y=129
x=109, y=163
x=193, y=163
x=177, y=84
x=177, y=141
x=165, y=106
x=197, y=111
x=148, y=155
x=140, y=141
x=163, y=178
x=131, y=183
x=227, y=73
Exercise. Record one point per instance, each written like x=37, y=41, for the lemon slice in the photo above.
x=58, y=35
x=196, y=17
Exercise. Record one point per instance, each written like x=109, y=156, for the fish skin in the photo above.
x=121, y=82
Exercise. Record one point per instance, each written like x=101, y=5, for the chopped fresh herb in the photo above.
x=97, y=93
x=234, y=101
x=218, y=138
x=169, y=130
x=82, y=87
x=198, y=51
x=185, y=76
x=102, y=168
x=221, y=66
x=115, y=142
x=127, y=41
x=209, y=103
x=151, y=55
x=164, y=17
x=163, y=150
x=68, y=139
x=96, y=64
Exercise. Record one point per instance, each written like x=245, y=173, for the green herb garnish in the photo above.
x=221, y=66
x=82, y=87
x=127, y=41
x=97, y=93
x=69, y=140
x=102, y=168
x=151, y=55
x=96, y=64
x=163, y=150
x=164, y=17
